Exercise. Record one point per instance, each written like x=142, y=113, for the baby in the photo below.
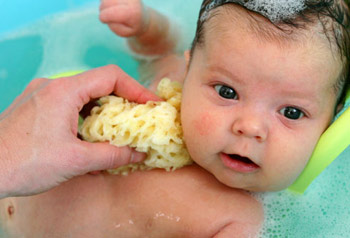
x=258, y=91
x=261, y=82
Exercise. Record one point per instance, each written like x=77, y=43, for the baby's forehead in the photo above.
x=232, y=19
x=232, y=16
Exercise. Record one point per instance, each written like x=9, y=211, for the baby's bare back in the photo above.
x=185, y=203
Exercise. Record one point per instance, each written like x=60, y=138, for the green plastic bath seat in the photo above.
x=331, y=144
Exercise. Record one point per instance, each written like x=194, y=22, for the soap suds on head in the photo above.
x=275, y=11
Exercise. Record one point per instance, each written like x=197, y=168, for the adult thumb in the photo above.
x=102, y=156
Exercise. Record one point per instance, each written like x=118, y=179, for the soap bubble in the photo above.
x=276, y=10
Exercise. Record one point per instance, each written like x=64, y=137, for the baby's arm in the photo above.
x=148, y=33
x=238, y=230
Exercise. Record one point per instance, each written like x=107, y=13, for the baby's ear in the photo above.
x=339, y=107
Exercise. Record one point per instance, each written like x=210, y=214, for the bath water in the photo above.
x=75, y=40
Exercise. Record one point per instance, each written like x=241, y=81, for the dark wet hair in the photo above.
x=332, y=14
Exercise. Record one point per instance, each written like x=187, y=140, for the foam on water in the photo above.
x=77, y=40
x=321, y=212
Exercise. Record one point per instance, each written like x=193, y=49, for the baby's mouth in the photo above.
x=239, y=163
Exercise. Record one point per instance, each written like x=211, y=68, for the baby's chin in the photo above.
x=253, y=185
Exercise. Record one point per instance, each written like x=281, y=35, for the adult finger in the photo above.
x=102, y=156
x=106, y=80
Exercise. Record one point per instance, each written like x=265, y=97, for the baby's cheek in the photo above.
x=204, y=124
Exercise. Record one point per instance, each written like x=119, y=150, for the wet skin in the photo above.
x=188, y=202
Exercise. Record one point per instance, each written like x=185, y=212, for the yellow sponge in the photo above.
x=154, y=128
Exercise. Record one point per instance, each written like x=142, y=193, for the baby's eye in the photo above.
x=226, y=92
x=292, y=113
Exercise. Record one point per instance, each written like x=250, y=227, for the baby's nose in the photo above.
x=251, y=126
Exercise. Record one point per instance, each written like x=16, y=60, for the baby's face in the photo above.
x=254, y=109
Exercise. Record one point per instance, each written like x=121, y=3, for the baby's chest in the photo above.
x=183, y=221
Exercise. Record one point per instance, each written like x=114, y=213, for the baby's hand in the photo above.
x=126, y=18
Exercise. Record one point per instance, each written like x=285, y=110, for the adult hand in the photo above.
x=39, y=148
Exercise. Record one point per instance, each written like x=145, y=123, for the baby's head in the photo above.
x=262, y=86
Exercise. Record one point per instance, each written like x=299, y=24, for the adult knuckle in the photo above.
x=120, y=157
x=58, y=86
x=116, y=158
x=53, y=86
x=35, y=83
x=114, y=155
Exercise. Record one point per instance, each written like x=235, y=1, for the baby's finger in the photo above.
x=117, y=14
x=108, y=3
